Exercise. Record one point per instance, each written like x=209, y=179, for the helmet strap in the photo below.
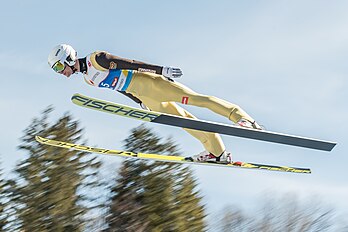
x=73, y=69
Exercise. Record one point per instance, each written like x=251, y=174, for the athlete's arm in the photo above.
x=108, y=61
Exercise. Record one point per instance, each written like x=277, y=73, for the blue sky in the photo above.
x=284, y=62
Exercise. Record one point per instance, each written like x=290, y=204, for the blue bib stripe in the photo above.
x=128, y=80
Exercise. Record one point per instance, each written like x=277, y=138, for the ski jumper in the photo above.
x=144, y=84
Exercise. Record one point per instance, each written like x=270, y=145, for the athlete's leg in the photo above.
x=157, y=87
x=212, y=142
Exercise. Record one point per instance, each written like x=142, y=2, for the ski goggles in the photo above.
x=58, y=66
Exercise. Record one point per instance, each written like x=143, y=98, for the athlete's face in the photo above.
x=67, y=71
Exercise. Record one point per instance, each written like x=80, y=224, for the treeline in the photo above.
x=60, y=190
x=55, y=189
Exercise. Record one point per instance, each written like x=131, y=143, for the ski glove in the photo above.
x=171, y=72
x=143, y=106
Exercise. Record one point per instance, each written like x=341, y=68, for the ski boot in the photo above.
x=206, y=156
x=248, y=124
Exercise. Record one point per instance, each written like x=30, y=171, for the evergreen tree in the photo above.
x=150, y=196
x=190, y=213
x=126, y=210
x=49, y=193
x=3, y=201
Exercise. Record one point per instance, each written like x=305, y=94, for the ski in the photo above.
x=196, y=124
x=166, y=158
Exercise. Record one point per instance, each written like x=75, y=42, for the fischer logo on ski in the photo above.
x=116, y=109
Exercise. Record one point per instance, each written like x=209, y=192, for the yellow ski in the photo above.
x=166, y=158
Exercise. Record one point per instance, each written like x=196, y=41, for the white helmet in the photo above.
x=60, y=55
